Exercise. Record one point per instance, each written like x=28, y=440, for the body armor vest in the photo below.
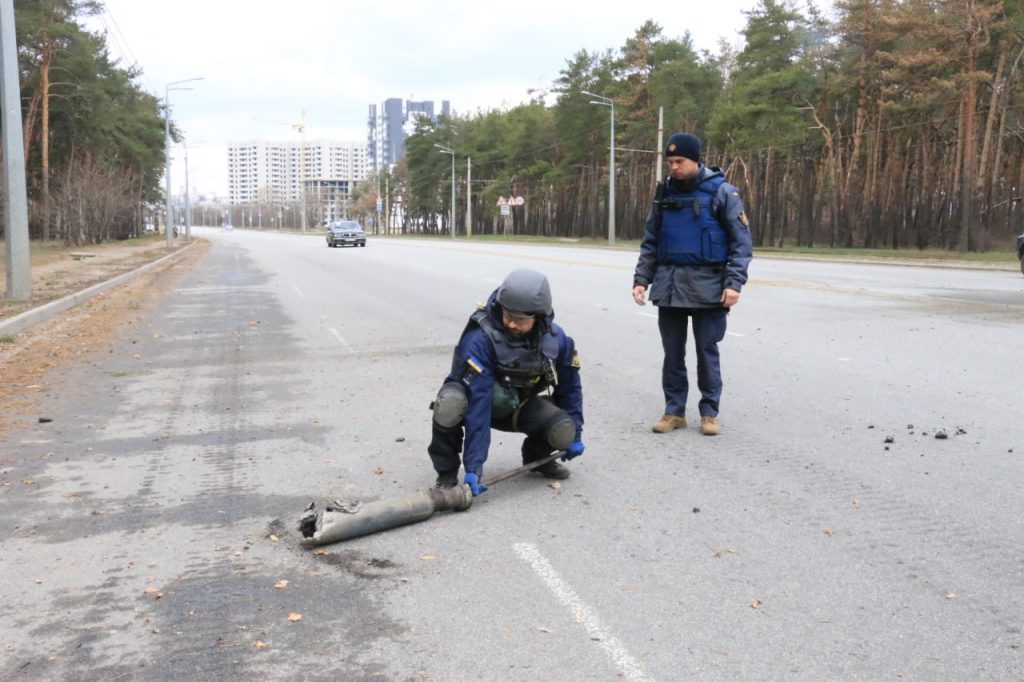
x=524, y=367
x=690, y=232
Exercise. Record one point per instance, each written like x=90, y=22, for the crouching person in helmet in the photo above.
x=514, y=370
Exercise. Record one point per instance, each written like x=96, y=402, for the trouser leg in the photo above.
x=445, y=448
x=547, y=428
x=674, y=382
x=708, y=330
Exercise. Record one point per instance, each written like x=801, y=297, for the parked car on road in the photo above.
x=344, y=233
x=1020, y=252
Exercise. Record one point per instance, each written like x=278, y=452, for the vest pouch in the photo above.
x=504, y=401
x=715, y=248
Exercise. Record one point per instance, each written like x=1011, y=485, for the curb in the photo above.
x=24, y=320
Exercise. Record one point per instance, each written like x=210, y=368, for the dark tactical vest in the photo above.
x=690, y=232
x=522, y=369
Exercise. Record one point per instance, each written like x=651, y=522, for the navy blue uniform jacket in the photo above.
x=475, y=348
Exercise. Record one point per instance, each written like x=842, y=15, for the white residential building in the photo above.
x=273, y=173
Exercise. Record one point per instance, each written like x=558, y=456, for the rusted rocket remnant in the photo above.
x=344, y=522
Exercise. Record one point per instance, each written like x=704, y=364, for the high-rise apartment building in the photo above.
x=390, y=123
x=274, y=173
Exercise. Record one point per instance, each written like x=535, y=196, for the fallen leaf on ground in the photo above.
x=829, y=532
x=281, y=584
x=151, y=590
x=755, y=603
x=951, y=596
x=542, y=629
x=294, y=617
x=273, y=538
x=555, y=485
x=379, y=470
x=259, y=645
x=428, y=557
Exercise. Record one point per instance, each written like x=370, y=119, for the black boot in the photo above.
x=447, y=479
x=536, y=448
x=553, y=470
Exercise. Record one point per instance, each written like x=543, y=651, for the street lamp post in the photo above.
x=608, y=102
x=169, y=227
x=451, y=220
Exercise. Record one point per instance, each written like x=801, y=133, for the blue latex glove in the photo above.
x=473, y=481
x=574, y=450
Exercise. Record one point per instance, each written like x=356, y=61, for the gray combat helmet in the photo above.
x=525, y=291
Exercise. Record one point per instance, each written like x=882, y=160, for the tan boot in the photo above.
x=669, y=422
x=709, y=426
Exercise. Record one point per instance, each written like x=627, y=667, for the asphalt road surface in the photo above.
x=829, y=533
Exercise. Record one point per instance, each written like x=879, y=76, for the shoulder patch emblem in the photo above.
x=743, y=218
x=576, y=360
x=474, y=365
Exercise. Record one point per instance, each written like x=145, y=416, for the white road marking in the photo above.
x=735, y=334
x=492, y=280
x=629, y=667
x=341, y=339
x=298, y=291
x=647, y=314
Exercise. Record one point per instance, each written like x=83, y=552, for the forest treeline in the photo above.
x=888, y=124
x=93, y=138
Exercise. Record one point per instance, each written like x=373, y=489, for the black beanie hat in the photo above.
x=685, y=145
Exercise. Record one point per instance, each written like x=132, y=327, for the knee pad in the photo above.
x=450, y=406
x=561, y=433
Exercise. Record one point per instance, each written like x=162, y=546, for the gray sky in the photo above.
x=265, y=63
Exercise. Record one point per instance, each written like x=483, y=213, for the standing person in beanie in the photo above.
x=694, y=257
x=514, y=370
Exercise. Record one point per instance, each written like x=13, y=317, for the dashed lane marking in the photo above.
x=629, y=668
x=341, y=339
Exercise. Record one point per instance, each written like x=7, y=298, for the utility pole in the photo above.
x=608, y=102
x=661, y=144
x=451, y=218
x=469, y=197
x=301, y=127
x=188, y=205
x=19, y=274
x=169, y=227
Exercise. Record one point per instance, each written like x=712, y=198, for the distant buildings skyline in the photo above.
x=324, y=171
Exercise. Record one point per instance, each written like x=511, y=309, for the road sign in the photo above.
x=502, y=201
x=520, y=201
x=506, y=210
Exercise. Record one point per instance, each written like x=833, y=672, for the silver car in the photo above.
x=345, y=233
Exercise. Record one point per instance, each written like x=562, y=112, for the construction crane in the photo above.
x=301, y=128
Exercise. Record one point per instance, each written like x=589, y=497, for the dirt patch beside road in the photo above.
x=58, y=270
x=31, y=361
